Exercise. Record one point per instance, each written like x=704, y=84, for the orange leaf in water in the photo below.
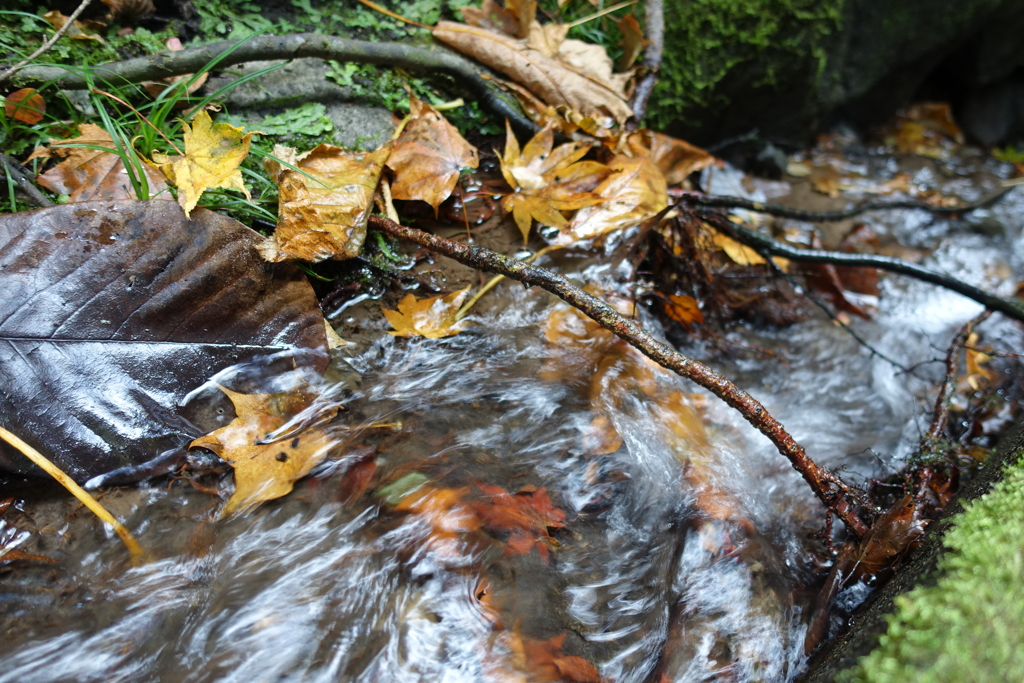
x=635, y=191
x=213, y=154
x=428, y=156
x=544, y=659
x=892, y=534
x=92, y=174
x=267, y=465
x=524, y=517
x=548, y=180
x=684, y=310
x=433, y=317
x=25, y=105
x=323, y=208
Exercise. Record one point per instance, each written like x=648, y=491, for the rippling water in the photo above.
x=673, y=549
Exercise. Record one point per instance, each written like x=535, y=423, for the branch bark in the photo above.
x=654, y=32
x=465, y=74
x=762, y=243
x=830, y=489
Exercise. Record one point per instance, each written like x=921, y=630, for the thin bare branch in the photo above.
x=940, y=416
x=830, y=489
x=654, y=32
x=48, y=44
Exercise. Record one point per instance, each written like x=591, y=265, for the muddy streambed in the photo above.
x=526, y=501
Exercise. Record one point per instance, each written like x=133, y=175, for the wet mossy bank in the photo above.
x=790, y=68
x=955, y=611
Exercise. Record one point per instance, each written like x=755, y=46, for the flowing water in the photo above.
x=549, y=499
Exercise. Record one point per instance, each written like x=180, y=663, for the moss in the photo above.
x=967, y=626
x=751, y=41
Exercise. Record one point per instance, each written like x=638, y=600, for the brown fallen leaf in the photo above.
x=25, y=105
x=92, y=174
x=548, y=78
x=548, y=180
x=79, y=30
x=492, y=16
x=633, y=41
x=547, y=38
x=267, y=468
x=826, y=181
x=546, y=662
x=129, y=9
x=926, y=129
x=428, y=156
x=676, y=159
x=213, y=154
x=977, y=376
x=433, y=317
x=635, y=191
x=324, y=208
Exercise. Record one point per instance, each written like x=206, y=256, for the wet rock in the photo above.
x=792, y=67
x=297, y=82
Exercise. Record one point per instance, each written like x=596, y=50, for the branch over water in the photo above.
x=829, y=488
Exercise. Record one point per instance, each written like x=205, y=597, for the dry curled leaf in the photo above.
x=428, y=156
x=553, y=81
x=433, y=317
x=635, y=191
x=88, y=173
x=548, y=180
x=267, y=467
x=676, y=159
x=213, y=154
x=25, y=105
x=324, y=206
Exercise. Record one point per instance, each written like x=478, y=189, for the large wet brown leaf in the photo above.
x=112, y=312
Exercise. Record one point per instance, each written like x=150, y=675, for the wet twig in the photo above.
x=654, y=32
x=23, y=180
x=829, y=488
x=295, y=46
x=762, y=243
x=721, y=201
x=940, y=416
x=46, y=45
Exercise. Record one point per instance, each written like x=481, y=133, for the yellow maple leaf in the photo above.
x=548, y=180
x=323, y=208
x=428, y=156
x=213, y=153
x=432, y=318
x=265, y=467
x=635, y=191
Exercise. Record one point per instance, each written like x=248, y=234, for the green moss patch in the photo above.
x=748, y=42
x=968, y=626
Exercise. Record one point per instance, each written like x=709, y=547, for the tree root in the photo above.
x=763, y=244
x=465, y=74
x=830, y=489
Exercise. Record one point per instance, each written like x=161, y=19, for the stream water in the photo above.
x=550, y=499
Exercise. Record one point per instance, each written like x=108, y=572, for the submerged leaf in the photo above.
x=213, y=154
x=87, y=174
x=265, y=467
x=433, y=317
x=324, y=206
x=428, y=156
x=113, y=312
